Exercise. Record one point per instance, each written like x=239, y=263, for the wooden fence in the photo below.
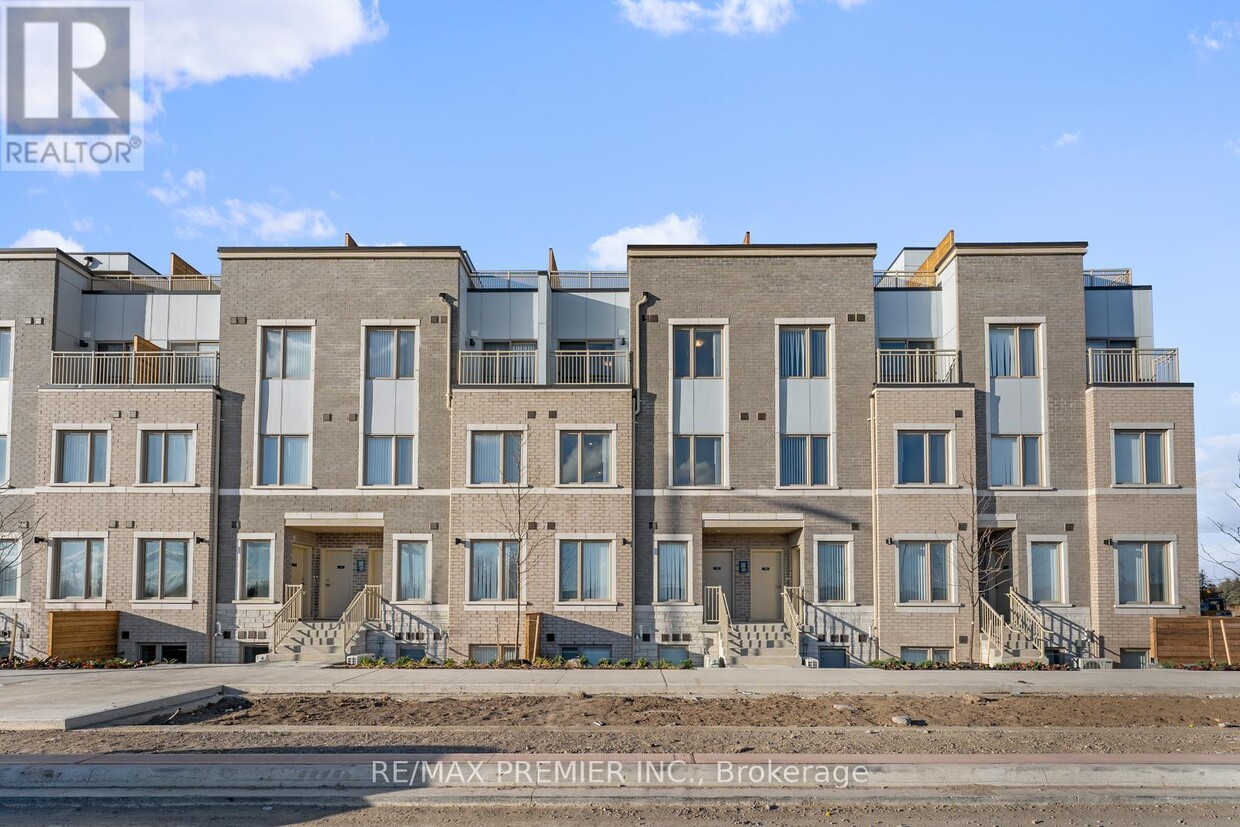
x=1192, y=639
x=83, y=635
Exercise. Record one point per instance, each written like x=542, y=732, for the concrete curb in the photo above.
x=118, y=712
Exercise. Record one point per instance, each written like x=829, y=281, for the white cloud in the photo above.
x=1235, y=399
x=263, y=221
x=1067, y=139
x=189, y=41
x=611, y=251
x=1215, y=38
x=733, y=17
x=1234, y=146
x=83, y=225
x=175, y=191
x=48, y=238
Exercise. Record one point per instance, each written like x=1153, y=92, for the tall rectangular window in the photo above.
x=672, y=572
x=493, y=569
x=83, y=456
x=697, y=460
x=163, y=567
x=166, y=456
x=804, y=460
x=833, y=574
x=585, y=458
x=1141, y=458
x=284, y=460
x=77, y=569
x=495, y=458
x=390, y=353
x=286, y=353
x=1144, y=572
x=10, y=568
x=1047, y=567
x=697, y=352
x=1015, y=460
x=923, y=572
x=6, y=352
x=802, y=352
x=585, y=570
x=921, y=457
x=1014, y=350
x=255, y=568
x=412, y=577
x=389, y=460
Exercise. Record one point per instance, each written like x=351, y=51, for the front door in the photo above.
x=766, y=577
x=301, y=560
x=717, y=567
x=336, y=579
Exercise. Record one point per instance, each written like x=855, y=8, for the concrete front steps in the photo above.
x=310, y=641
x=762, y=644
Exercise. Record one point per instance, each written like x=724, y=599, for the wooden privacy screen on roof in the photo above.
x=533, y=634
x=146, y=370
x=927, y=273
x=181, y=267
x=1192, y=639
x=82, y=635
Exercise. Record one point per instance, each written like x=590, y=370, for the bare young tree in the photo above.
x=981, y=562
x=18, y=523
x=518, y=512
x=1228, y=560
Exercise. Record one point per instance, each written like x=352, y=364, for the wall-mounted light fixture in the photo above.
x=200, y=540
x=890, y=541
x=1108, y=542
x=624, y=541
x=457, y=541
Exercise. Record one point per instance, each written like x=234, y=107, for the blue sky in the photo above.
x=509, y=127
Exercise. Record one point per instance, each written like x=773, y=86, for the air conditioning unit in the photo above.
x=354, y=660
x=1094, y=663
x=811, y=663
x=262, y=658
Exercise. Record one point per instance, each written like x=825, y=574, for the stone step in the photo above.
x=744, y=661
x=304, y=657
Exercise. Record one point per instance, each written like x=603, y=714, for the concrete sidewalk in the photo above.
x=406, y=778
x=75, y=698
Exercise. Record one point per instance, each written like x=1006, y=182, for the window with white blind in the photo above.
x=412, y=570
x=1048, y=572
x=254, y=570
x=1014, y=350
x=585, y=571
x=585, y=458
x=804, y=460
x=10, y=569
x=1016, y=460
x=697, y=352
x=390, y=353
x=495, y=457
x=167, y=456
x=697, y=460
x=286, y=353
x=77, y=568
x=82, y=456
x=163, y=569
x=1145, y=572
x=284, y=459
x=493, y=570
x=834, y=569
x=923, y=571
x=803, y=352
x=922, y=458
x=1141, y=457
x=671, y=571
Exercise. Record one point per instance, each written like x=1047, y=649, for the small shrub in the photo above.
x=663, y=664
x=62, y=663
x=470, y=663
x=624, y=663
x=582, y=661
x=404, y=662
x=643, y=663
x=687, y=663
x=449, y=663
x=604, y=663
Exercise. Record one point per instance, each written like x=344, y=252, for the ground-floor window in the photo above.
x=1144, y=572
x=921, y=654
x=674, y=654
x=249, y=654
x=489, y=653
x=593, y=654
x=411, y=652
x=1134, y=658
x=832, y=657
x=161, y=652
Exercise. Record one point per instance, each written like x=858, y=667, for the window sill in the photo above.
x=604, y=486
x=1016, y=489
x=929, y=486
x=175, y=603
x=14, y=603
x=1147, y=607
x=930, y=608
x=807, y=488
x=77, y=602
x=495, y=606
x=495, y=486
x=586, y=606
x=1140, y=486
x=282, y=487
x=165, y=485
x=675, y=487
x=835, y=605
x=75, y=485
x=412, y=603
x=257, y=604
x=365, y=487
x=675, y=604
x=1052, y=605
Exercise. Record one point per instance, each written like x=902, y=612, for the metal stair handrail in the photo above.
x=715, y=599
x=1027, y=620
x=794, y=605
x=287, y=617
x=365, y=607
x=992, y=630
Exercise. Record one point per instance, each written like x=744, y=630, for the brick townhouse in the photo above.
x=754, y=454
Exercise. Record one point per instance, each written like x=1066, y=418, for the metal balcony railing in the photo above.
x=905, y=278
x=162, y=368
x=594, y=367
x=1130, y=365
x=498, y=367
x=918, y=367
x=1115, y=277
x=108, y=283
x=558, y=279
